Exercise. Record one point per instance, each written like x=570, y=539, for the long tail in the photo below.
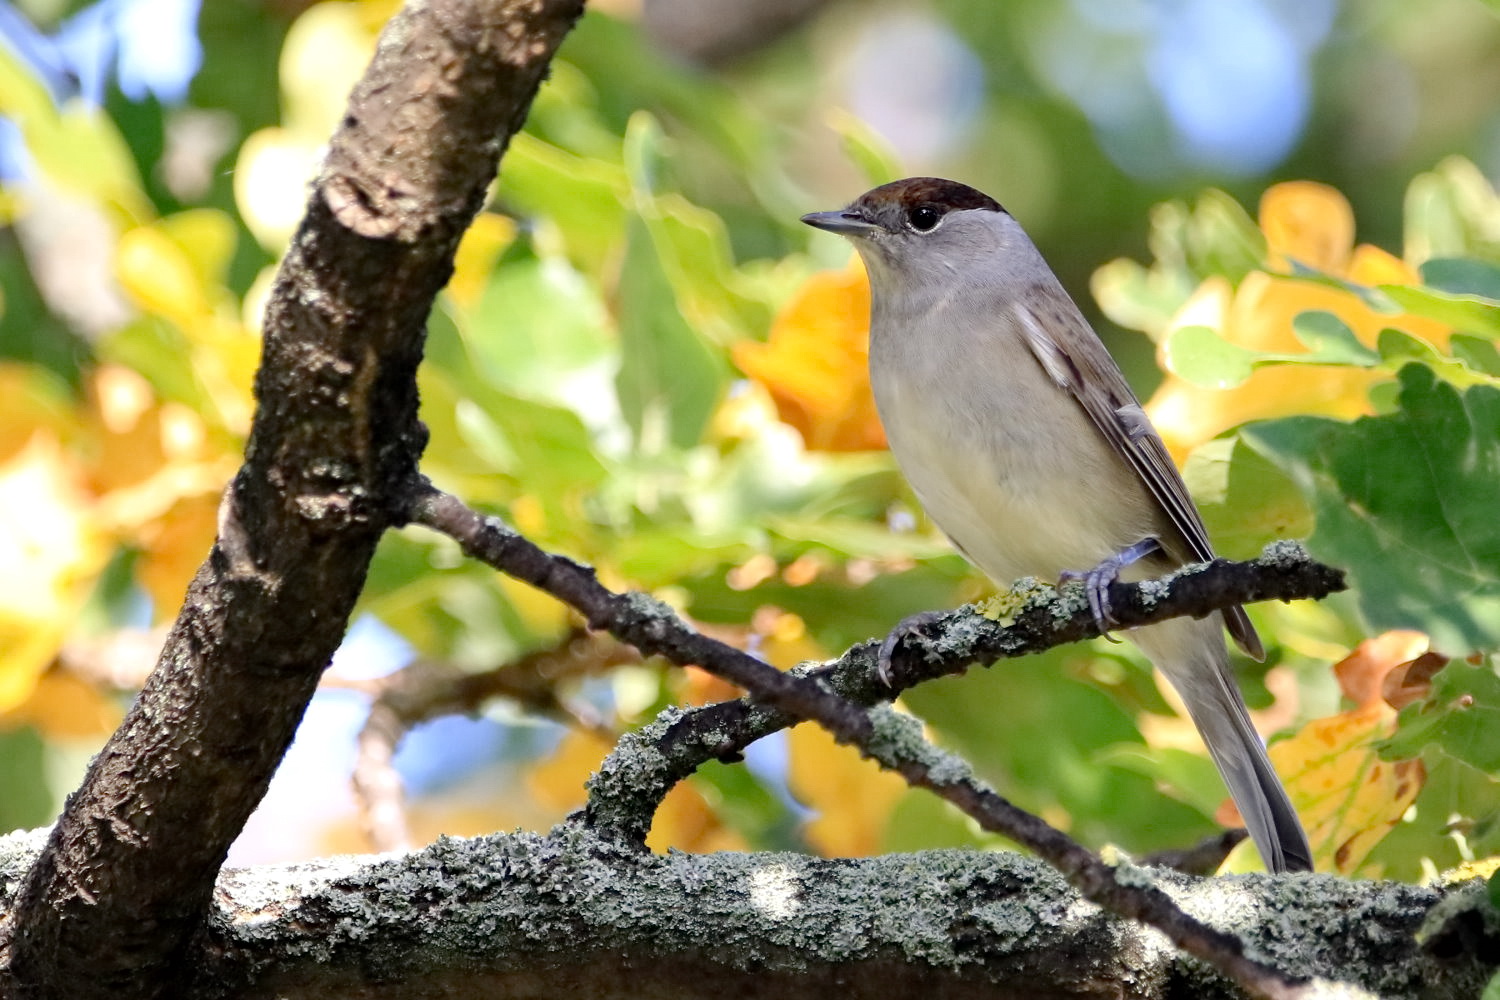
x=1192, y=655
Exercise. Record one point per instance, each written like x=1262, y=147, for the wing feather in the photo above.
x=1078, y=362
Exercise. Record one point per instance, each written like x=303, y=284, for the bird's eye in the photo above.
x=923, y=218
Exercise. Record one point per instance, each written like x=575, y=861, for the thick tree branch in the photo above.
x=568, y=914
x=126, y=878
x=894, y=742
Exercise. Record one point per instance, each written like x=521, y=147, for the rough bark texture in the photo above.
x=524, y=916
x=113, y=904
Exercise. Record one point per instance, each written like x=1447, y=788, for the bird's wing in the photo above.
x=1077, y=361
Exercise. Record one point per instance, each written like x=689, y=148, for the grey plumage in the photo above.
x=1026, y=446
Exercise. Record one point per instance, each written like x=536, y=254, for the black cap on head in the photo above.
x=950, y=196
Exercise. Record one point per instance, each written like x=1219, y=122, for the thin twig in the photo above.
x=428, y=689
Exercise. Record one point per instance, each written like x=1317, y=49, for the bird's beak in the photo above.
x=843, y=222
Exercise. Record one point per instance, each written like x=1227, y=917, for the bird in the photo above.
x=1023, y=442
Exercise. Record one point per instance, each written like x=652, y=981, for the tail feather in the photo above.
x=1193, y=656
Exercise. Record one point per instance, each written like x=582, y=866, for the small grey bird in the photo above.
x=1027, y=447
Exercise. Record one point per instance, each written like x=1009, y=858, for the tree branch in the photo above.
x=893, y=741
x=126, y=878
x=568, y=914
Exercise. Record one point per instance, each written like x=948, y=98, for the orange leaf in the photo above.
x=64, y=706
x=852, y=797
x=1362, y=673
x=815, y=363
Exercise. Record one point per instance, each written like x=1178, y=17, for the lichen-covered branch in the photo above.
x=572, y=915
x=881, y=735
x=125, y=880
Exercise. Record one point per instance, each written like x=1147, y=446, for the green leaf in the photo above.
x=1200, y=355
x=541, y=331
x=1036, y=731
x=867, y=148
x=1477, y=353
x=1222, y=238
x=1192, y=776
x=670, y=380
x=748, y=805
x=1405, y=502
x=1330, y=340
x=1462, y=276
x=1246, y=501
x=1461, y=717
x=1398, y=348
x=25, y=800
x=583, y=198
x=1450, y=212
x=1465, y=313
x=1139, y=298
x=670, y=377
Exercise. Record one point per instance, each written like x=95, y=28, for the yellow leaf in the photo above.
x=1349, y=798
x=557, y=782
x=853, y=798
x=31, y=398
x=687, y=821
x=325, y=52
x=1309, y=223
x=158, y=276
x=49, y=554
x=206, y=236
x=271, y=177
x=815, y=363
x=173, y=547
x=481, y=246
x=1259, y=315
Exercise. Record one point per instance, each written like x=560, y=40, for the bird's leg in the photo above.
x=910, y=625
x=1096, y=581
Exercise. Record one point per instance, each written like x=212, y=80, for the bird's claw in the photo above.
x=909, y=625
x=1096, y=581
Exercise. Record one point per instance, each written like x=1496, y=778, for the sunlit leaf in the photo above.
x=1245, y=501
x=1206, y=359
x=47, y=559
x=815, y=363
x=1468, y=313
x=670, y=379
x=1347, y=797
x=1309, y=224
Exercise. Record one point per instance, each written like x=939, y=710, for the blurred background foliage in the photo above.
x=1281, y=215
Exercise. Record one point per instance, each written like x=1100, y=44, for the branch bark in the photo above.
x=112, y=904
x=526, y=916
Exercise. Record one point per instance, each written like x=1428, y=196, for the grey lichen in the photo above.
x=1285, y=552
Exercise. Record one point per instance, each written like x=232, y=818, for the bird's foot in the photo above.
x=1096, y=581
x=910, y=625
